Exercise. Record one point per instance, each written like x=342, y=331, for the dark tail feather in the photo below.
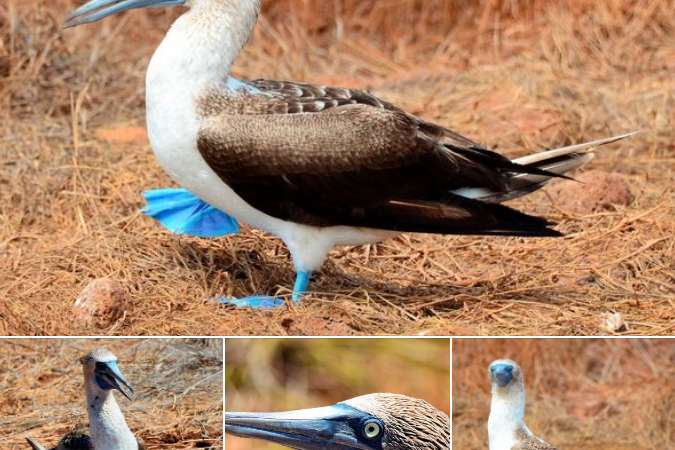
x=539, y=169
x=454, y=215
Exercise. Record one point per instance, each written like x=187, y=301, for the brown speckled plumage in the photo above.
x=527, y=441
x=411, y=424
x=76, y=439
x=328, y=156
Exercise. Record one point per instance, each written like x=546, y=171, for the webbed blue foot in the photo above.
x=181, y=212
x=262, y=302
x=255, y=302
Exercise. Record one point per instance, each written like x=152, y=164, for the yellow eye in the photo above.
x=372, y=429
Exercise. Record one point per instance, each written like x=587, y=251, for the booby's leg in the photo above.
x=300, y=288
x=262, y=302
x=181, y=212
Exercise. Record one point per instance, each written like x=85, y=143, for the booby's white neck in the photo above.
x=203, y=43
x=108, y=429
x=506, y=416
x=194, y=59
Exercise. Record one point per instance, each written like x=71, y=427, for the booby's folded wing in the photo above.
x=360, y=165
x=527, y=441
x=297, y=97
x=76, y=439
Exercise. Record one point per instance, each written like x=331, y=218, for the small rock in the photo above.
x=101, y=303
x=593, y=191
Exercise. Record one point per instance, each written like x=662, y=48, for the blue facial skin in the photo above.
x=338, y=427
x=502, y=374
x=109, y=377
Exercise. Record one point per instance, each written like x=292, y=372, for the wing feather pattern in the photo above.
x=326, y=156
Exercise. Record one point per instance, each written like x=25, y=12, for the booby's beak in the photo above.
x=109, y=377
x=100, y=9
x=338, y=427
x=502, y=374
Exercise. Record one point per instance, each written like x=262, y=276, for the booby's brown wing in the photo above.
x=141, y=443
x=302, y=97
x=76, y=439
x=526, y=441
x=533, y=444
x=322, y=156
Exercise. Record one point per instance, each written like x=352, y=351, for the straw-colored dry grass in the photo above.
x=516, y=75
x=581, y=393
x=178, y=384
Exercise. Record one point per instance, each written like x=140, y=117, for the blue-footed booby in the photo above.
x=316, y=166
x=506, y=428
x=370, y=422
x=107, y=428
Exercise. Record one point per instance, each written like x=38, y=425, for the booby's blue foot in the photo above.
x=255, y=302
x=181, y=212
x=262, y=302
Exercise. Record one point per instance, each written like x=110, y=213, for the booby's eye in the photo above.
x=372, y=429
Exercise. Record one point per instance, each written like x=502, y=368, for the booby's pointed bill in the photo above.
x=108, y=377
x=100, y=9
x=502, y=374
x=338, y=427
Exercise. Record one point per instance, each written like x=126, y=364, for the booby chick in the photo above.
x=107, y=428
x=316, y=166
x=506, y=428
x=370, y=422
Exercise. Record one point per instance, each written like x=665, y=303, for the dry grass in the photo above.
x=178, y=399
x=517, y=75
x=582, y=393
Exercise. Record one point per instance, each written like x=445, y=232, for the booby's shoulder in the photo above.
x=290, y=97
x=525, y=440
x=76, y=439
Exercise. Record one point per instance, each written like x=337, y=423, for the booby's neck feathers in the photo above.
x=507, y=412
x=107, y=426
x=203, y=43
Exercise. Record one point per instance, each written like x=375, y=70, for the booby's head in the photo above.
x=505, y=374
x=96, y=10
x=370, y=422
x=100, y=369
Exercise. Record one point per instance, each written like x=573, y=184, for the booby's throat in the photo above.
x=202, y=45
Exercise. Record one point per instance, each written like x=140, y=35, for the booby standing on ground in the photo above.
x=316, y=166
x=107, y=427
x=506, y=428
x=370, y=422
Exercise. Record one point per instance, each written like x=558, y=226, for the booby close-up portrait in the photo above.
x=506, y=426
x=108, y=430
x=316, y=166
x=369, y=422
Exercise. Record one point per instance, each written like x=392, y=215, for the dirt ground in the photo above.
x=582, y=394
x=518, y=76
x=286, y=374
x=177, y=404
